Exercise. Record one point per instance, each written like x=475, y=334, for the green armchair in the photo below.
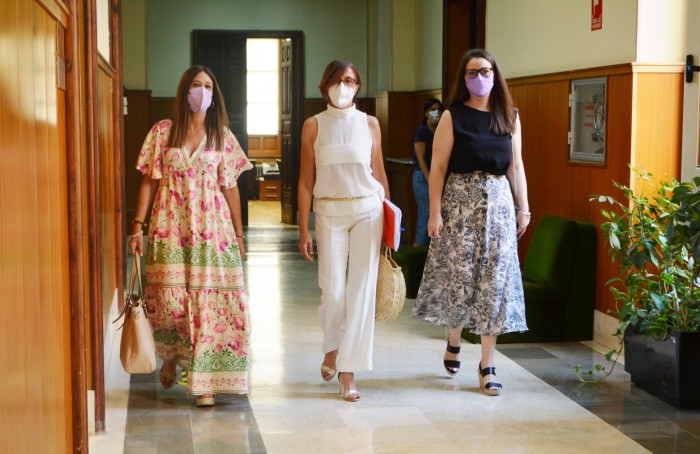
x=558, y=281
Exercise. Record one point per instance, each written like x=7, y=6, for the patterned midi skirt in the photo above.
x=472, y=273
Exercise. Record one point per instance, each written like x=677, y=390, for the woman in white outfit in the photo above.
x=342, y=172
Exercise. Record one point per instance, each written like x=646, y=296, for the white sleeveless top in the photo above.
x=343, y=156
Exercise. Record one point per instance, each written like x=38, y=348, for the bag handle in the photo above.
x=135, y=271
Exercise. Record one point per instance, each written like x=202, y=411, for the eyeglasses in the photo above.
x=349, y=82
x=485, y=72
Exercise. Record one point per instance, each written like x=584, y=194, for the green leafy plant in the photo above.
x=654, y=237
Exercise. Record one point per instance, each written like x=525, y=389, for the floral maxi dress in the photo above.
x=196, y=292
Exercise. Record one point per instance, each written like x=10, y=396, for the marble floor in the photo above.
x=409, y=404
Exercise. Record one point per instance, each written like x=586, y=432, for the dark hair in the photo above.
x=216, y=120
x=500, y=101
x=428, y=104
x=332, y=73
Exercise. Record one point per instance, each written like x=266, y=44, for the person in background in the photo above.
x=342, y=173
x=422, y=154
x=472, y=276
x=196, y=293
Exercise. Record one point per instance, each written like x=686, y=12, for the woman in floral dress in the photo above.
x=196, y=293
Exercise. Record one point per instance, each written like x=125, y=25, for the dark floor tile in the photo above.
x=170, y=444
x=158, y=424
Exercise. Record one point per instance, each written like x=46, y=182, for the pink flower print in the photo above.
x=178, y=314
x=217, y=203
x=241, y=306
x=222, y=311
x=191, y=172
x=177, y=198
x=220, y=327
x=196, y=321
x=223, y=245
x=236, y=345
x=160, y=232
x=218, y=348
x=239, y=323
x=206, y=207
x=210, y=168
x=207, y=235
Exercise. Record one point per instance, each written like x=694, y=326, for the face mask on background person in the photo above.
x=199, y=99
x=341, y=95
x=480, y=86
x=433, y=115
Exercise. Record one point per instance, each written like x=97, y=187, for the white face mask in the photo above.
x=433, y=115
x=341, y=95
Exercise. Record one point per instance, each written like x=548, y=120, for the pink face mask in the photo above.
x=480, y=86
x=199, y=99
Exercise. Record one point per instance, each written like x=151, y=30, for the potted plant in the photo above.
x=654, y=237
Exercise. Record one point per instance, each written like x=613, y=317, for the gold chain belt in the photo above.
x=343, y=199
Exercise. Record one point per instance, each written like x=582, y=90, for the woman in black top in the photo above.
x=472, y=276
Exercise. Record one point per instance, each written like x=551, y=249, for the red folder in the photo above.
x=392, y=225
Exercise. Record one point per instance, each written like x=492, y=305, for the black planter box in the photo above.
x=668, y=369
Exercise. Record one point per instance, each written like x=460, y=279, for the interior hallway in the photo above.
x=408, y=405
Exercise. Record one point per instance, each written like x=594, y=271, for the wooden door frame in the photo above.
x=289, y=170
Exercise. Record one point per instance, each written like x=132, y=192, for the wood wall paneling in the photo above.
x=643, y=128
x=137, y=123
x=36, y=411
x=264, y=148
x=658, y=125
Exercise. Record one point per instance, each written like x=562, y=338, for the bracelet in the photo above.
x=527, y=214
x=137, y=234
x=240, y=236
x=137, y=221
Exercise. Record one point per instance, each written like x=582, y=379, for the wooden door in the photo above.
x=225, y=54
x=291, y=99
x=690, y=166
x=36, y=413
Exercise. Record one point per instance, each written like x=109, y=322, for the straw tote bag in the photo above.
x=391, y=288
x=138, y=349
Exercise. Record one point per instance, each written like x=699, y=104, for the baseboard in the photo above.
x=604, y=328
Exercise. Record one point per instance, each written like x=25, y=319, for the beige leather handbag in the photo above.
x=138, y=349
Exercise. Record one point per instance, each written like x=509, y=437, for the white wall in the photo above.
x=544, y=36
x=134, y=44
x=691, y=97
x=661, y=30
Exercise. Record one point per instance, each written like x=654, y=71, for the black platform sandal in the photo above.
x=451, y=365
x=491, y=388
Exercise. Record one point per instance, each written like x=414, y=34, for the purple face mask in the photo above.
x=199, y=99
x=480, y=86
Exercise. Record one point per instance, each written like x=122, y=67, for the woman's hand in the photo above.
x=523, y=220
x=306, y=246
x=136, y=244
x=434, y=225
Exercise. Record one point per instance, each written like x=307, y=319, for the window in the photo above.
x=263, y=86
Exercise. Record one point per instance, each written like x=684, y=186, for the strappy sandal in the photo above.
x=327, y=372
x=205, y=400
x=166, y=377
x=352, y=395
x=491, y=388
x=451, y=365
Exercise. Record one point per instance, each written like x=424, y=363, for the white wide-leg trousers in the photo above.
x=348, y=257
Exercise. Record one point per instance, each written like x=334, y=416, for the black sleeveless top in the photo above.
x=475, y=146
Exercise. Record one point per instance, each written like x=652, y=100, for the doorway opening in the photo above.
x=263, y=119
x=265, y=103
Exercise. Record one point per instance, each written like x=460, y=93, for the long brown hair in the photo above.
x=216, y=120
x=332, y=73
x=500, y=101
